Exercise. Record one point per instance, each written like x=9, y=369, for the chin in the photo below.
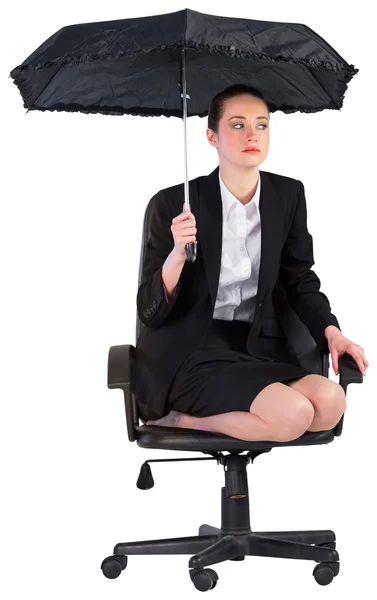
x=253, y=159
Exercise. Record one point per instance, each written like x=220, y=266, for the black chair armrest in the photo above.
x=119, y=376
x=349, y=372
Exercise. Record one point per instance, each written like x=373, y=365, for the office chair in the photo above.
x=234, y=539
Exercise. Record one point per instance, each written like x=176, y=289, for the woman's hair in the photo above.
x=217, y=108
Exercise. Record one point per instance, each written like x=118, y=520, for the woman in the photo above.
x=228, y=382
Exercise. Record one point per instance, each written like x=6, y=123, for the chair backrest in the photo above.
x=144, y=238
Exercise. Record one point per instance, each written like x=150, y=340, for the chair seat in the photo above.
x=179, y=438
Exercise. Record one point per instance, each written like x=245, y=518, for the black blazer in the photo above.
x=171, y=331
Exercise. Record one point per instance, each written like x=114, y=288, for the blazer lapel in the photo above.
x=209, y=219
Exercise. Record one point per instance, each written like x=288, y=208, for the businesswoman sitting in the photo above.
x=212, y=355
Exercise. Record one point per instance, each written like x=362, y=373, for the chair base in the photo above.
x=214, y=545
x=234, y=539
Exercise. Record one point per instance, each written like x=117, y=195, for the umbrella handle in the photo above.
x=191, y=249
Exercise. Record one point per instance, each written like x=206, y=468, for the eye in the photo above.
x=261, y=125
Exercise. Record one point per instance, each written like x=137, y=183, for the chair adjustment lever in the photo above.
x=145, y=480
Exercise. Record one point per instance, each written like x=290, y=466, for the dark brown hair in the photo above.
x=217, y=108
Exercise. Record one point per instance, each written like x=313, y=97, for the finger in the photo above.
x=184, y=226
x=181, y=217
x=366, y=363
x=188, y=219
x=334, y=359
x=360, y=363
x=187, y=210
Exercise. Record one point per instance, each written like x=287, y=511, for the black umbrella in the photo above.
x=140, y=66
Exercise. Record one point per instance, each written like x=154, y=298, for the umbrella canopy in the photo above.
x=133, y=66
x=141, y=66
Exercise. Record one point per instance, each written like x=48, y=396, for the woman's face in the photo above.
x=236, y=134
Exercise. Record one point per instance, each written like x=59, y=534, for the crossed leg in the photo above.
x=280, y=412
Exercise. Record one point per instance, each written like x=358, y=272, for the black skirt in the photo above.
x=220, y=376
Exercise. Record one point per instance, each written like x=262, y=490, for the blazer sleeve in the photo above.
x=300, y=281
x=153, y=303
x=174, y=295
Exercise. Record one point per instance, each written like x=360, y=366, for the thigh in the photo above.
x=320, y=390
x=217, y=387
x=279, y=403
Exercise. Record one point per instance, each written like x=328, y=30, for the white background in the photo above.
x=74, y=191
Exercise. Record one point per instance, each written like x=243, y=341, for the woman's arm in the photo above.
x=300, y=281
x=159, y=264
x=171, y=272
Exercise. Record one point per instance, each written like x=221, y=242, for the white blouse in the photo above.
x=240, y=257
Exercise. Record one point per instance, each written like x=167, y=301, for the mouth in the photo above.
x=251, y=151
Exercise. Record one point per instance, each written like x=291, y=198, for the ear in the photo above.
x=211, y=137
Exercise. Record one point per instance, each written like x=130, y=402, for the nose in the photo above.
x=251, y=135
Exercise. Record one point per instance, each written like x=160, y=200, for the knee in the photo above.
x=338, y=398
x=330, y=402
x=297, y=419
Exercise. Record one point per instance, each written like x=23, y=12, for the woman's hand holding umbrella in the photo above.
x=184, y=231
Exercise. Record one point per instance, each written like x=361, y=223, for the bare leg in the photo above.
x=327, y=397
x=284, y=414
x=236, y=424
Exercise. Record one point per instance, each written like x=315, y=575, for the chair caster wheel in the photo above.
x=204, y=579
x=112, y=566
x=324, y=572
x=238, y=558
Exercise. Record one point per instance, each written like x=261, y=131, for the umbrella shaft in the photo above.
x=191, y=247
x=183, y=95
